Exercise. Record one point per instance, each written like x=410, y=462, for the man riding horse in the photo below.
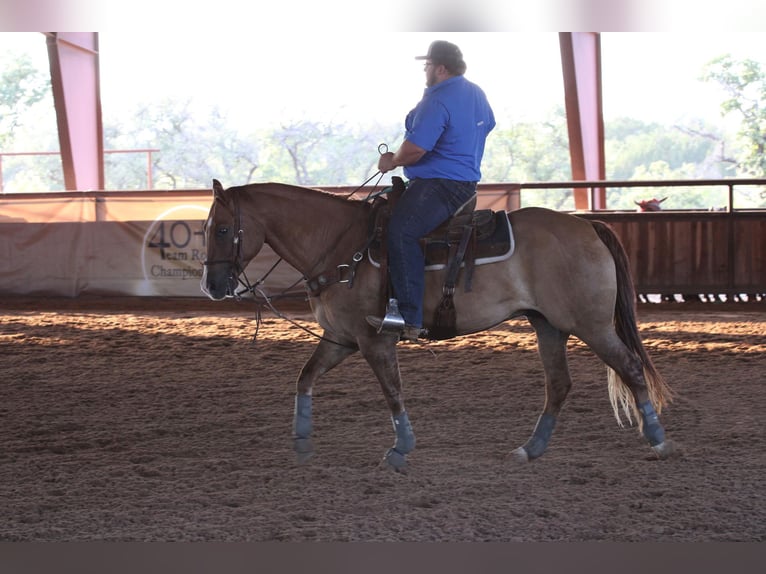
x=441, y=155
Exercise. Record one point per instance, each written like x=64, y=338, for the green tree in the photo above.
x=27, y=123
x=194, y=148
x=637, y=150
x=21, y=87
x=744, y=84
x=528, y=151
x=631, y=145
x=692, y=197
x=315, y=154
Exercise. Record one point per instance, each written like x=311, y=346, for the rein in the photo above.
x=247, y=287
x=365, y=183
x=267, y=301
x=345, y=272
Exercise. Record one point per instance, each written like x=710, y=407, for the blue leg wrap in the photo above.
x=405, y=437
x=653, y=430
x=538, y=442
x=302, y=416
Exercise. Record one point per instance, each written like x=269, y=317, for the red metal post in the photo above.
x=581, y=65
x=74, y=67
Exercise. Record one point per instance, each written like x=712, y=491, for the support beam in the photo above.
x=74, y=67
x=581, y=65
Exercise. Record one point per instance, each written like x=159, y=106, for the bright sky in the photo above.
x=261, y=79
x=646, y=75
x=327, y=77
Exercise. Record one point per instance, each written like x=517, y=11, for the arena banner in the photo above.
x=141, y=242
x=158, y=255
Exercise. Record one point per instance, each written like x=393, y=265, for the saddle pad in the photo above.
x=498, y=247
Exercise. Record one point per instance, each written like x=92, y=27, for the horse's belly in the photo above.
x=495, y=296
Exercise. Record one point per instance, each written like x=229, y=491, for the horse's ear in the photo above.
x=217, y=188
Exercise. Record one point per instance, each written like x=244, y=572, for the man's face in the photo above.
x=430, y=70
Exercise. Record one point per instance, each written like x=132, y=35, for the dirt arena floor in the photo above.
x=161, y=420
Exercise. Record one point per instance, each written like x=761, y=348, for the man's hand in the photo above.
x=386, y=162
x=407, y=154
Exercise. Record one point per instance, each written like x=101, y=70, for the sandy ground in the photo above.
x=161, y=420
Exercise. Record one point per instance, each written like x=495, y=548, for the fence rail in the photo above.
x=147, y=151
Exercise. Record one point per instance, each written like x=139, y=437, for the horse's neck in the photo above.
x=309, y=229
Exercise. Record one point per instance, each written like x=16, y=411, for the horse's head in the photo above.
x=650, y=204
x=231, y=242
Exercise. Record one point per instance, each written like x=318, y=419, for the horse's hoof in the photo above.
x=395, y=461
x=665, y=449
x=520, y=455
x=304, y=449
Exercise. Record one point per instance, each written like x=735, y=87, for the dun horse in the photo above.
x=567, y=276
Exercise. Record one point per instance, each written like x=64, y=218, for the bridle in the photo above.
x=237, y=273
x=235, y=262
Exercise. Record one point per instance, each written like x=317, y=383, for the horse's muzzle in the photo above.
x=219, y=284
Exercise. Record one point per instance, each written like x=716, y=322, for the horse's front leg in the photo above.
x=326, y=356
x=380, y=353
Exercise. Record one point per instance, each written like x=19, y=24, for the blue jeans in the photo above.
x=425, y=205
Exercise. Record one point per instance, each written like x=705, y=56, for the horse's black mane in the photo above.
x=344, y=198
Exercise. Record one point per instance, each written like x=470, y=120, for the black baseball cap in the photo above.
x=443, y=52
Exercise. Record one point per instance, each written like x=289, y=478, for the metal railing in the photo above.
x=594, y=186
x=509, y=193
x=147, y=151
x=500, y=195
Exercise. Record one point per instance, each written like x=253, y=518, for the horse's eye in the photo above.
x=222, y=230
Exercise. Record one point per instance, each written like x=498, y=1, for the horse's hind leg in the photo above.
x=551, y=345
x=326, y=356
x=630, y=388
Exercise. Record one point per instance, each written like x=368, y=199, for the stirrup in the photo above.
x=393, y=320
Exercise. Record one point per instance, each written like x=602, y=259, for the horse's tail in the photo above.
x=627, y=329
